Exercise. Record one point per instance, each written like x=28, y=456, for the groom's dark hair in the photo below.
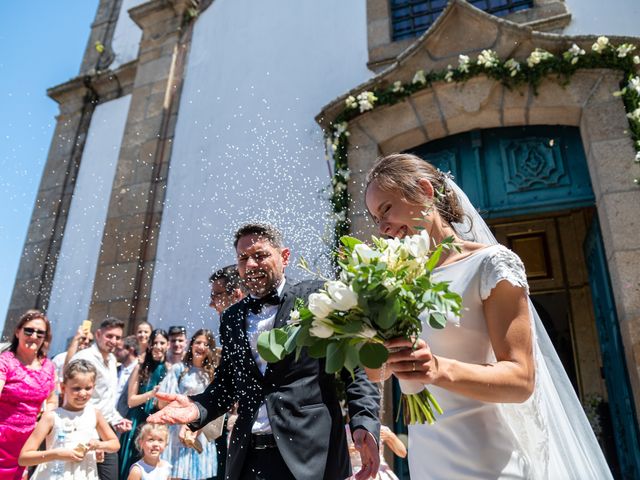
x=264, y=230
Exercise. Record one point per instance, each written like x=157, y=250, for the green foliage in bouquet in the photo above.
x=384, y=291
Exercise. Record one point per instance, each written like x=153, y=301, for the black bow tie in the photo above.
x=256, y=304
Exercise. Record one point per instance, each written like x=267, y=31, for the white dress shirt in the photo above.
x=123, y=376
x=104, y=393
x=256, y=324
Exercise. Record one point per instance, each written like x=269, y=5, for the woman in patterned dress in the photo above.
x=190, y=378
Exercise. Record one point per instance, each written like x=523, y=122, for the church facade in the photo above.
x=189, y=118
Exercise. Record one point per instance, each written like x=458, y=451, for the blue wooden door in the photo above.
x=623, y=415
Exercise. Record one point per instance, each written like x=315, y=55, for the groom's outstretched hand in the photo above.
x=366, y=444
x=179, y=410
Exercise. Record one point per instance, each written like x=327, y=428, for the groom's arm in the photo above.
x=363, y=401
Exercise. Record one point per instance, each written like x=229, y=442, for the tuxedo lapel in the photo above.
x=244, y=339
x=286, y=304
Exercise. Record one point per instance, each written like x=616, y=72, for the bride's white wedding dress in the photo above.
x=547, y=437
x=471, y=439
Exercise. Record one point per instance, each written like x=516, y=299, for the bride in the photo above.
x=491, y=370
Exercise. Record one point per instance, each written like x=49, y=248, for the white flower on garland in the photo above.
x=419, y=78
x=634, y=84
x=350, y=102
x=366, y=100
x=463, y=63
x=449, y=75
x=574, y=54
x=635, y=115
x=625, y=49
x=345, y=173
x=636, y=60
x=601, y=45
x=488, y=59
x=513, y=66
x=537, y=56
x=637, y=157
x=340, y=128
x=341, y=216
x=397, y=87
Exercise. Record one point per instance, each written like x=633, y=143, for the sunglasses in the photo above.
x=28, y=331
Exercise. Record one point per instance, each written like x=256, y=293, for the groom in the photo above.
x=289, y=425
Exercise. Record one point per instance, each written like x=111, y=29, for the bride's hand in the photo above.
x=409, y=361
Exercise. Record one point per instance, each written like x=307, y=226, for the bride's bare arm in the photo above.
x=509, y=380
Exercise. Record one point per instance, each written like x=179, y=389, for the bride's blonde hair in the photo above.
x=400, y=172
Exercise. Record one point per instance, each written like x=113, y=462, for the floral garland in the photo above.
x=511, y=73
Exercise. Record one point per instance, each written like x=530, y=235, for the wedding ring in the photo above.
x=414, y=366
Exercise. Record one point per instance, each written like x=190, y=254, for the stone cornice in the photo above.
x=439, y=46
x=104, y=86
x=142, y=14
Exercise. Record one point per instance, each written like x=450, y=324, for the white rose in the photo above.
x=344, y=298
x=418, y=245
x=320, y=329
x=320, y=305
x=365, y=253
x=294, y=317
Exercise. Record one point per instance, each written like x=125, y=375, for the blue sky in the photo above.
x=41, y=45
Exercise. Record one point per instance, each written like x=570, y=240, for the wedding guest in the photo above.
x=190, y=378
x=127, y=356
x=143, y=383
x=226, y=288
x=143, y=332
x=81, y=340
x=489, y=370
x=75, y=433
x=289, y=423
x=151, y=443
x=177, y=344
x=27, y=379
x=101, y=356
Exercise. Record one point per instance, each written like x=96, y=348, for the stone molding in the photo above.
x=545, y=16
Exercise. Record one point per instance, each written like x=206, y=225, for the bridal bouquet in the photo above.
x=384, y=291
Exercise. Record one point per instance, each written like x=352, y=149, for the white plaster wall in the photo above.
x=246, y=145
x=80, y=250
x=126, y=35
x=613, y=17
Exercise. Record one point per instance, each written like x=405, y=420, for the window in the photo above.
x=411, y=18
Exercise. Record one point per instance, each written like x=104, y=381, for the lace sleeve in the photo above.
x=500, y=265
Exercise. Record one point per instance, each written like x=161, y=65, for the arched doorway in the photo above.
x=532, y=186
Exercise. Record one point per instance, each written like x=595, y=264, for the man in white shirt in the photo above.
x=177, y=345
x=101, y=356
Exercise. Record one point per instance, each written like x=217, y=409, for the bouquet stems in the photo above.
x=419, y=407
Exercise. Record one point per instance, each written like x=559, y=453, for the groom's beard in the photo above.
x=260, y=282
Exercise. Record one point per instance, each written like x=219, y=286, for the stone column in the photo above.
x=44, y=236
x=125, y=267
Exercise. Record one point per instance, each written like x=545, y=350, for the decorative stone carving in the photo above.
x=533, y=163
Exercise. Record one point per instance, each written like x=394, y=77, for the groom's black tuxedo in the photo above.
x=300, y=397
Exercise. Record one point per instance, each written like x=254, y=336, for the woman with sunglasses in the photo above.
x=27, y=379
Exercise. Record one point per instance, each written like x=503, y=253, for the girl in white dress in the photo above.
x=151, y=442
x=74, y=432
x=503, y=416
